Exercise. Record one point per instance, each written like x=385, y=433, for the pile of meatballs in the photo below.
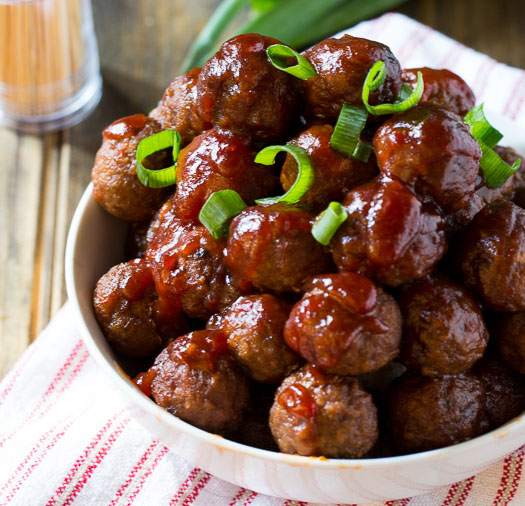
x=406, y=333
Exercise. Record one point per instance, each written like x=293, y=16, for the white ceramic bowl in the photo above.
x=96, y=243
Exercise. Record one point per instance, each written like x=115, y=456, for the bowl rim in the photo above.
x=321, y=463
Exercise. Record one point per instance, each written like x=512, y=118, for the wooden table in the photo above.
x=141, y=46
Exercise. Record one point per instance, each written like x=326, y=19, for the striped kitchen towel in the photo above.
x=66, y=437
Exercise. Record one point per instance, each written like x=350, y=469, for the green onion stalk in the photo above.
x=298, y=23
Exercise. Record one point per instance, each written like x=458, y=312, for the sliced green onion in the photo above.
x=375, y=78
x=347, y=130
x=404, y=93
x=480, y=128
x=279, y=54
x=362, y=151
x=152, y=144
x=327, y=223
x=219, y=210
x=496, y=171
x=305, y=173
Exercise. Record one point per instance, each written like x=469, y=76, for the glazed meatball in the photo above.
x=431, y=150
x=504, y=388
x=443, y=89
x=509, y=337
x=491, y=256
x=240, y=90
x=218, y=160
x=177, y=109
x=254, y=326
x=188, y=268
x=342, y=66
x=323, y=415
x=127, y=308
x=272, y=248
x=390, y=236
x=196, y=379
x=344, y=324
x=427, y=413
x=334, y=173
x=116, y=186
x=444, y=332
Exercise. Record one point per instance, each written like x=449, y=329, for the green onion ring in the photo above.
x=305, y=173
x=219, y=210
x=278, y=53
x=157, y=142
x=375, y=78
x=328, y=222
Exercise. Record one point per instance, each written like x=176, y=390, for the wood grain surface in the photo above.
x=142, y=43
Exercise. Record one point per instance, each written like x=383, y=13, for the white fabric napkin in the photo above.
x=66, y=437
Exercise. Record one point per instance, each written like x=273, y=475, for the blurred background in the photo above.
x=141, y=46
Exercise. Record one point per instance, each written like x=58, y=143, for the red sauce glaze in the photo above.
x=298, y=401
x=218, y=160
x=430, y=150
x=203, y=349
x=239, y=90
x=144, y=380
x=353, y=291
x=125, y=128
x=135, y=282
x=188, y=269
x=443, y=88
x=272, y=248
x=334, y=311
x=390, y=235
x=393, y=222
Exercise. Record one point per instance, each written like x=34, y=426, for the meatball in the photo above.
x=272, y=248
x=444, y=332
x=254, y=326
x=504, y=388
x=428, y=413
x=127, y=308
x=177, y=109
x=390, y=236
x=344, y=324
x=334, y=173
x=240, y=90
x=342, y=66
x=196, y=379
x=218, y=160
x=116, y=186
x=323, y=415
x=431, y=150
x=491, y=256
x=443, y=89
x=509, y=337
x=188, y=268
